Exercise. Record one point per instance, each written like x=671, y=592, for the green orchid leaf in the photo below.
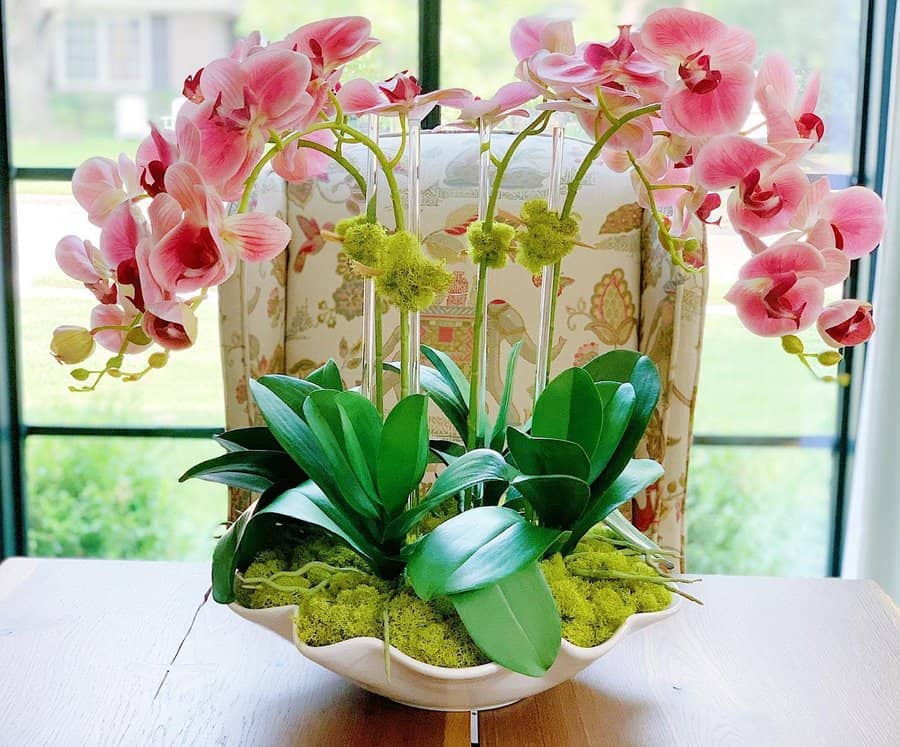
x=403, y=453
x=637, y=475
x=444, y=452
x=251, y=470
x=570, y=409
x=498, y=434
x=481, y=466
x=224, y=559
x=558, y=500
x=327, y=376
x=366, y=423
x=255, y=438
x=350, y=472
x=299, y=441
x=514, y=622
x=289, y=390
x=625, y=529
x=475, y=549
x=449, y=372
x=618, y=407
x=547, y=456
x=442, y=394
x=627, y=366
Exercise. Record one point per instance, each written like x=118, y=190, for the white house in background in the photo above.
x=136, y=52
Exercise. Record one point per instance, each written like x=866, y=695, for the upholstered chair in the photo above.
x=619, y=290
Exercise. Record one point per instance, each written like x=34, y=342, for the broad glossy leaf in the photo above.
x=290, y=390
x=558, y=500
x=327, y=376
x=638, y=370
x=449, y=371
x=254, y=438
x=618, y=407
x=570, y=409
x=300, y=443
x=251, y=470
x=471, y=469
x=498, y=434
x=403, y=453
x=475, y=549
x=366, y=423
x=350, y=474
x=514, y=622
x=637, y=475
x=431, y=382
x=547, y=456
x=445, y=452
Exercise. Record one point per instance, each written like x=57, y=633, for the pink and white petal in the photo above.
x=556, y=68
x=722, y=110
x=808, y=209
x=221, y=150
x=131, y=176
x=255, y=236
x=224, y=77
x=810, y=97
x=806, y=295
x=514, y=95
x=796, y=257
x=165, y=212
x=151, y=290
x=171, y=324
x=674, y=33
x=733, y=47
x=857, y=216
x=188, y=258
x=186, y=185
x=120, y=235
x=278, y=78
x=776, y=77
x=297, y=164
x=113, y=315
x=837, y=267
x=753, y=242
x=74, y=258
x=846, y=322
x=359, y=95
x=726, y=159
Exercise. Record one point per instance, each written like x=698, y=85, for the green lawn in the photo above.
x=61, y=152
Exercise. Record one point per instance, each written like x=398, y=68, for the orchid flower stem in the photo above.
x=554, y=298
x=475, y=391
x=403, y=133
x=404, y=354
x=379, y=356
x=595, y=150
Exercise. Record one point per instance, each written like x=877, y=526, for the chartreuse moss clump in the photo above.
x=592, y=609
x=490, y=247
x=363, y=241
x=546, y=237
x=408, y=278
x=336, y=605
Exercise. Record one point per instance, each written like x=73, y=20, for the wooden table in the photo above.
x=133, y=653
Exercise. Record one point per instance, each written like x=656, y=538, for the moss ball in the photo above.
x=363, y=241
x=408, y=278
x=490, y=247
x=546, y=237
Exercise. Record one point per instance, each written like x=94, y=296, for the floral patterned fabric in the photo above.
x=618, y=291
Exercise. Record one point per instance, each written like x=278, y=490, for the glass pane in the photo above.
x=815, y=34
x=85, y=82
x=120, y=498
x=186, y=392
x=759, y=512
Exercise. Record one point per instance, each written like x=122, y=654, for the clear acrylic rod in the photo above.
x=369, y=347
x=413, y=215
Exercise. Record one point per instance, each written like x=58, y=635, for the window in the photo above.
x=767, y=436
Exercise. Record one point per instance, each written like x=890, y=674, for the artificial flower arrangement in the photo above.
x=516, y=556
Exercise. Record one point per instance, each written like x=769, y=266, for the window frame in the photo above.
x=878, y=21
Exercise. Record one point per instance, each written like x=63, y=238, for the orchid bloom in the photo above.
x=506, y=102
x=198, y=245
x=711, y=82
x=400, y=94
x=172, y=324
x=781, y=290
x=117, y=315
x=793, y=126
x=332, y=43
x=845, y=322
x=154, y=155
x=768, y=189
x=851, y=220
x=232, y=108
x=537, y=33
x=100, y=185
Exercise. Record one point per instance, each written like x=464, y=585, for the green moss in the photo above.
x=407, y=277
x=546, y=238
x=363, y=241
x=335, y=605
x=490, y=247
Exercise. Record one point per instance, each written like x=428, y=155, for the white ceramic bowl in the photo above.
x=361, y=660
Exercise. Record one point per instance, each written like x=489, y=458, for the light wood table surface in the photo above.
x=133, y=653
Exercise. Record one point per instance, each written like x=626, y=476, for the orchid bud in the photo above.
x=80, y=374
x=830, y=358
x=846, y=322
x=158, y=360
x=792, y=344
x=71, y=344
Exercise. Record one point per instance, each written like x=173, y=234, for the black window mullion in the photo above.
x=430, y=53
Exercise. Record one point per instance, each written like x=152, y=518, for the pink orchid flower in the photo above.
x=400, y=94
x=851, y=220
x=224, y=128
x=614, y=65
x=708, y=63
x=536, y=33
x=154, y=155
x=767, y=189
x=846, y=322
x=121, y=314
x=792, y=124
x=296, y=163
x=780, y=290
x=82, y=261
x=172, y=324
x=506, y=102
x=332, y=43
x=198, y=245
x=246, y=46
x=100, y=185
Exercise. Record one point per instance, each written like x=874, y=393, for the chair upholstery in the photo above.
x=292, y=314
